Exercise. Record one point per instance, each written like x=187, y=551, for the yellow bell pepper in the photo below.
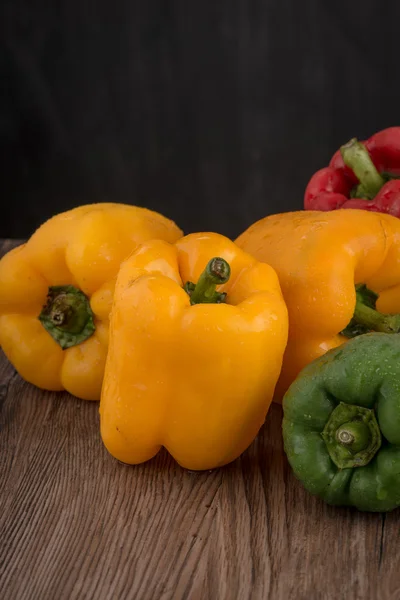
x=72, y=261
x=335, y=268
x=191, y=366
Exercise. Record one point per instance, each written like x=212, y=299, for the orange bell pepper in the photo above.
x=335, y=269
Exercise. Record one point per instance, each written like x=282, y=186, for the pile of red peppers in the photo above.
x=360, y=175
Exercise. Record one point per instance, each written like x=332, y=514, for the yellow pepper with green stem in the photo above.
x=340, y=276
x=197, y=334
x=56, y=293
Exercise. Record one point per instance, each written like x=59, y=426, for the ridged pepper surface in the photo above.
x=197, y=334
x=56, y=293
x=340, y=276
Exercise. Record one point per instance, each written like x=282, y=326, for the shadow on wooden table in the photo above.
x=76, y=523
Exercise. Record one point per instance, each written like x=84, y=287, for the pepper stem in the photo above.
x=366, y=318
x=356, y=157
x=204, y=291
x=67, y=316
x=373, y=320
x=352, y=436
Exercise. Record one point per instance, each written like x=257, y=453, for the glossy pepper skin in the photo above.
x=69, y=264
x=319, y=258
x=360, y=175
x=341, y=425
x=197, y=379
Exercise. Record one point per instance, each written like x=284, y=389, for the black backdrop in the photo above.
x=213, y=112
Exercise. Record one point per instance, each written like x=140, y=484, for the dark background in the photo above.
x=215, y=113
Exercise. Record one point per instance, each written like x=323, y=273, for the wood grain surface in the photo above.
x=74, y=523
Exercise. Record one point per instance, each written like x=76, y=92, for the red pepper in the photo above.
x=360, y=175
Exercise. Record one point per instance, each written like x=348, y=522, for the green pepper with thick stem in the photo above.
x=341, y=425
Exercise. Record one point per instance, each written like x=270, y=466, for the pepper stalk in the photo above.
x=352, y=436
x=67, y=316
x=217, y=272
x=366, y=318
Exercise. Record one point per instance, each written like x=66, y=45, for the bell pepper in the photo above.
x=339, y=272
x=197, y=334
x=341, y=425
x=361, y=175
x=56, y=293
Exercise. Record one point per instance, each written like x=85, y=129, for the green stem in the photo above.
x=67, y=316
x=352, y=436
x=356, y=157
x=373, y=320
x=366, y=318
x=216, y=273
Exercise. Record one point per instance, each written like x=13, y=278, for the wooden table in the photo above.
x=74, y=523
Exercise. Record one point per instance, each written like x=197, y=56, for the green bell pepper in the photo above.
x=341, y=425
